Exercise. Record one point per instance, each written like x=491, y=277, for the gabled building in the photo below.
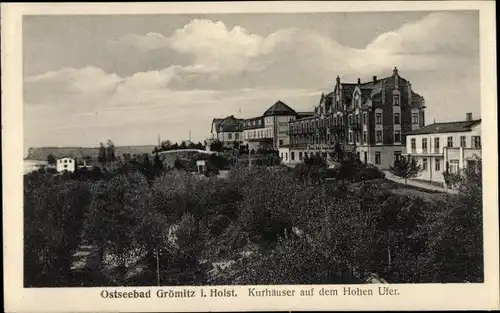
x=370, y=118
x=448, y=146
x=227, y=130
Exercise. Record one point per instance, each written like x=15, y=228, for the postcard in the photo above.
x=250, y=156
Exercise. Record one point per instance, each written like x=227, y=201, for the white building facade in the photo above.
x=65, y=164
x=442, y=147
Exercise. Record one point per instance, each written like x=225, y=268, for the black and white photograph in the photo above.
x=253, y=149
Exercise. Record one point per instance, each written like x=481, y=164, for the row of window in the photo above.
x=475, y=142
x=257, y=133
x=351, y=119
x=318, y=123
x=378, y=136
x=65, y=161
x=253, y=123
x=453, y=165
x=230, y=136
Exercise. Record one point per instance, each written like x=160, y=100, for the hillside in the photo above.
x=77, y=152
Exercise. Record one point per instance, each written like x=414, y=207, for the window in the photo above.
x=450, y=141
x=281, y=142
x=350, y=120
x=414, y=118
x=397, y=136
x=286, y=156
x=65, y=161
x=436, y=143
x=377, y=158
x=365, y=137
x=396, y=100
x=462, y=141
x=229, y=136
x=454, y=166
x=300, y=156
x=379, y=136
x=281, y=155
x=378, y=118
x=350, y=136
x=65, y=165
x=292, y=156
x=424, y=144
x=424, y=164
x=365, y=118
x=413, y=144
x=237, y=136
x=396, y=119
x=438, y=165
x=476, y=142
x=397, y=155
x=365, y=155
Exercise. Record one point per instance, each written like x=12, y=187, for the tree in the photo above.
x=102, y=153
x=405, y=167
x=166, y=145
x=110, y=151
x=178, y=164
x=216, y=146
x=158, y=165
x=51, y=159
x=183, y=145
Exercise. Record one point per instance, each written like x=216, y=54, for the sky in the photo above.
x=132, y=78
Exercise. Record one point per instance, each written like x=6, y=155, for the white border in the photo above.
x=412, y=297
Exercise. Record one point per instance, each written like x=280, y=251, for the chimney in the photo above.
x=374, y=79
x=359, y=81
x=468, y=117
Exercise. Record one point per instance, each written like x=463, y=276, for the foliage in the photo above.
x=270, y=225
x=405, y=167
x=51, y=159
x=217, y=146
x=52, y=219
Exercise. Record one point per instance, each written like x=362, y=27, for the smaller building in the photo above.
x=227, y=130
x=441, y=147
x=65, y=164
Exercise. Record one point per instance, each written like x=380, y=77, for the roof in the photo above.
x=279, y=108
x=230, y=124
x=216, y=123
x=448, y=127
x=304, y=114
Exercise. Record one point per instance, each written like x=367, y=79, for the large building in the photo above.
x=370, y=118
x=441, y=147
x=268, y=131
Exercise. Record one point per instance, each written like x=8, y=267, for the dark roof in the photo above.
x=216, y=123
x=279, y=108
x=304, y=114
x=448, y=127
x=230, y=124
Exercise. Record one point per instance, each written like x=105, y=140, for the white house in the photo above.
x=448, y=146
x=65, y=164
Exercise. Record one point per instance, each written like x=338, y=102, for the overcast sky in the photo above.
x=131, y=78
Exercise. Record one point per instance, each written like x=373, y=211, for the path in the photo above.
x=418, y=184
